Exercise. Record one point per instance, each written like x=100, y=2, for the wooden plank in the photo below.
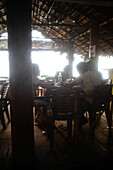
x=89, y=2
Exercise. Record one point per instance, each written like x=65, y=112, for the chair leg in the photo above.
x=92, y=118
x=50, y=127
x=2, y=118
x=51, y=135
x=109, y=121
x=6, y=110
x=44, y=117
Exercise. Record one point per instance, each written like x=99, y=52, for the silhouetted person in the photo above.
x=89, y=79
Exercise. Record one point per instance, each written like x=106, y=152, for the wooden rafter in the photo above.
x=49, y=16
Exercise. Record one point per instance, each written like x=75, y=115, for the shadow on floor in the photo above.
x=86, y=153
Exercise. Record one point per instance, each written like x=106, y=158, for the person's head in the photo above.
x=91, y=65
x=66, y=72
x=36, y=70
x=81, y=67
x=66, y=69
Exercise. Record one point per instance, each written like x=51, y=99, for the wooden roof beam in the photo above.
x=89, y=2
x=50, y=28
x=83, y=35
x=74, y=44
x=60, y=33
x=92, y=19
x=49, y=10
x=49, y=25
x=57, y=24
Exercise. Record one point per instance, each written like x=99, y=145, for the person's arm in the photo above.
x=44, y=84
x=77, y=81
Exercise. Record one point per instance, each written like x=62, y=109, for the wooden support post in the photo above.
x=19, y=45
x=71, y=58
x=94, y=43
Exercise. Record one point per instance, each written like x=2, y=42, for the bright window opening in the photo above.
x=50, y=62
x=4, y=36
x=105, y=63
x=4, y=64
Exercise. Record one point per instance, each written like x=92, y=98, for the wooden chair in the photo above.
x=102, y=103
x=4, y=102
x=62, y=109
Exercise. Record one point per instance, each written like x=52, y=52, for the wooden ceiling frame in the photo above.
x=89, y=2
x=82, y=49
x=48, y=17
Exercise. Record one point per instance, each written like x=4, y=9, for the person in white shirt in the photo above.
x=89, y=79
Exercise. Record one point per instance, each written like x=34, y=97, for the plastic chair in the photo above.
x=62, y=109
x=102, y=103
x=4, y=102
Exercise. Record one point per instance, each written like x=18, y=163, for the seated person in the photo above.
x=36, y=81
x=44, y=103
x=89, y=79
x=65, y=74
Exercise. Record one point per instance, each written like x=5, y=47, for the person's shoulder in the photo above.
x=90, y=72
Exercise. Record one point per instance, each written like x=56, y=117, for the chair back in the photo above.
x=102, y=96
x=63, y=102
x=4, y=91
x=107, y=81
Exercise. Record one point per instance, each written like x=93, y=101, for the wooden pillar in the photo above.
x=19, y=45
x=71, y=57
x=94, y=43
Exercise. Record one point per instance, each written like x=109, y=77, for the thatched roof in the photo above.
x=66, y=21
